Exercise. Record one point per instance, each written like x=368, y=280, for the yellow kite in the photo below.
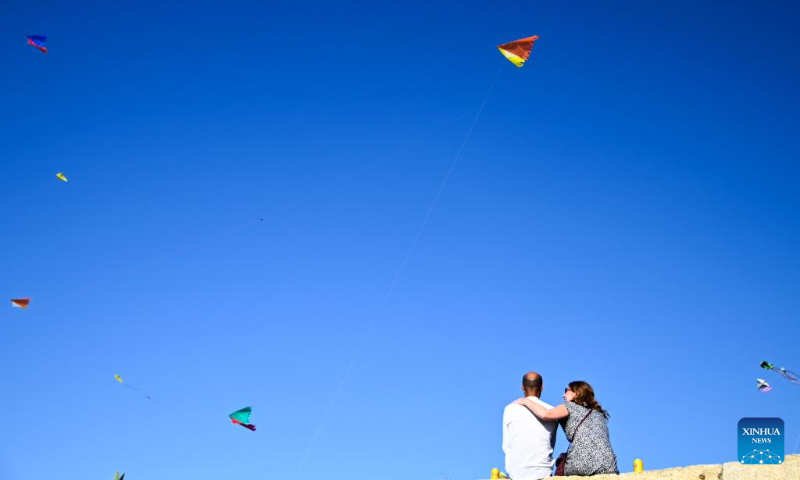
x=119, y=379
x=61, y=177
x=519, y=50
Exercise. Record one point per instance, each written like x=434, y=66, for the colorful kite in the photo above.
x=20, y=302
x=242, y=417
x=763, y=386
x=38, y=41
x=119, y=379
x=787, y=374
x=118, y=477
x=518, y=51
x=61, y=177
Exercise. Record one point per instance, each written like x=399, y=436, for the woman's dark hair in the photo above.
x=584, y=395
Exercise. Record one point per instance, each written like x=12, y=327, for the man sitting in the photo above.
x=527, y=441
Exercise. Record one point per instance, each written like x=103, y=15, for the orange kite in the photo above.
x=20, y=302
x=519, y=50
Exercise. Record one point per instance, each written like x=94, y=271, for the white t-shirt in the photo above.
x=528, y=442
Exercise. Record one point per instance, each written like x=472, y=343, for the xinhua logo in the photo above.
x=761, y=441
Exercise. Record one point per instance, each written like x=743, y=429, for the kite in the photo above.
x=61, y=177
x=242, y=417
x=20, y=302
x=518, y=51
x=38, y=41
x=787, y=374
x=116, y=475
x=119, y=379
x=763, y=386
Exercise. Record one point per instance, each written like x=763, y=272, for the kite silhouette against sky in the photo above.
x=787, y=374
x=20, y=302
x=119, y=379
x=118, y=477
x=61, y=177
x=763, y=386
x=242, y=417
x=518, y=51
x=38, y=41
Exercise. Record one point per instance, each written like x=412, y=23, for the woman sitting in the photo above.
x=585, y=425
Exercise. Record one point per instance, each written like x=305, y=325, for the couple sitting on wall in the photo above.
x=529, y=433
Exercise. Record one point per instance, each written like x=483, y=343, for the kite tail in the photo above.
x=41, y=48
x=788, y=375
x=136, y=389
x=252, y=428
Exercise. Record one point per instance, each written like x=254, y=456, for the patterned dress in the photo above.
x=589, y=452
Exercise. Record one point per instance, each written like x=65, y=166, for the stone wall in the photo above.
x=789, y=470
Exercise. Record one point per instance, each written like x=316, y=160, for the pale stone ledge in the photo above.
x=788, y=470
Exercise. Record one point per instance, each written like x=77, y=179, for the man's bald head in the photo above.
x=532, y=384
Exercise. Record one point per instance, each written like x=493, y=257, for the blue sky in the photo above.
x=624, y=212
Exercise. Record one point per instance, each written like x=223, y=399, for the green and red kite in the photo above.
x=242, y=417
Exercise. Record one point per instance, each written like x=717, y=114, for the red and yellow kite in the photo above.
x=519, y=50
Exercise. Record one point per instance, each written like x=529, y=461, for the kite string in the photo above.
x=795, y=443
x=397, y=275
x=144, y=265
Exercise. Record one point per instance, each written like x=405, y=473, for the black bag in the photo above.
x=561, y=461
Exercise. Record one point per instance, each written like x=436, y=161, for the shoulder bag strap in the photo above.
x=579, y=426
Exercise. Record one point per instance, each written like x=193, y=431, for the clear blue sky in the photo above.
x=625, y=212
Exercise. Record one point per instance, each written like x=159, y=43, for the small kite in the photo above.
x=20, y=302
x=61, y=177
x=242, y=417
x=119, y=379
x=518, y=51
x=763, y=386
x=787, y=374
x=38, y=41
x=118, y=477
